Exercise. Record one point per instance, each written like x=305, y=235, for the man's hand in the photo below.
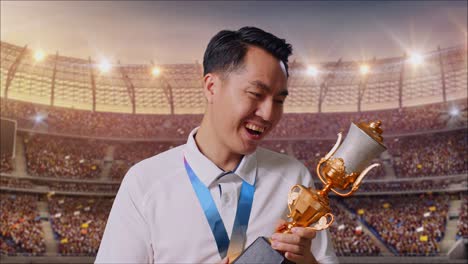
x=296, y=245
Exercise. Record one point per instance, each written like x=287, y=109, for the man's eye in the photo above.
x=256, y=94
x=279, y=101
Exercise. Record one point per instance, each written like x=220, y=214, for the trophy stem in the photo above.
x=324, y=192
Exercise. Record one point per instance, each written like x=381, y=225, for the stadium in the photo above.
x=71, y=128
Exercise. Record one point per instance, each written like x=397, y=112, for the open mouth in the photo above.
x=254, y=130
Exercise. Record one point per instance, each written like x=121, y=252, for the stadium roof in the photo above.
x=339, y=85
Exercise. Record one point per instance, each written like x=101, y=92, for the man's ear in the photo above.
x=211, y=83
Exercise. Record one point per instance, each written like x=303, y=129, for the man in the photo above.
x=182, y=206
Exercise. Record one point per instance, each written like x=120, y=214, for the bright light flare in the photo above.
x=105, y=66
x=155, y=71
x=39, y=118
x=39, y=55
x=364, y=69
x=312, y=71
x=416, y=59
x=454, y=112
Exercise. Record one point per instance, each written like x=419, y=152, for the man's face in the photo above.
x=245, y=106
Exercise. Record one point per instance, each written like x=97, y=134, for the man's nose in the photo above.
x=266, y=110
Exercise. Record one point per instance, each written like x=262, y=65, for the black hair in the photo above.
x=226, y=50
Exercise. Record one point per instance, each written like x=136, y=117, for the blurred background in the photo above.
x=90, y=88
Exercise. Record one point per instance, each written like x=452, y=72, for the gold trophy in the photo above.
x=344, y=166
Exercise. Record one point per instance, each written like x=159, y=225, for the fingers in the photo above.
x=287, y=238
x=296, y=258
x=296, y=245
x=304, y=232
x=299, y=259
x=225, y=261
x=290, y=243
x=298, y=233
x=285, y=247
x=282, y=224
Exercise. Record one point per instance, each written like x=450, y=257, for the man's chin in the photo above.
x=249, y=149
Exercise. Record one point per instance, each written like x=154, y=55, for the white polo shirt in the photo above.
x=157, y=218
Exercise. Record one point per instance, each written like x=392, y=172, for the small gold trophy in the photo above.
x=343, y=167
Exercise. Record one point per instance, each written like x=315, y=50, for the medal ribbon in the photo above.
x=225, y=247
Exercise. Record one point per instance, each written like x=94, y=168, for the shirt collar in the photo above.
x=208, y=172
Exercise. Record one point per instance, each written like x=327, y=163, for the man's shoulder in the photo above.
x=163, y=157
x=286, y=168
x=156, y=168
x=273, y=157
x=162, y=162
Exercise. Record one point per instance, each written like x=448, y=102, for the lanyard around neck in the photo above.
x=225, y=247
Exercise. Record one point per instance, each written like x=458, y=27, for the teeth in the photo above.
x=255, y=128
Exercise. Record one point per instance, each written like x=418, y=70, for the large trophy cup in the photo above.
x=342, y=168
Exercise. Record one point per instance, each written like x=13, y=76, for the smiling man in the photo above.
x=207, y=200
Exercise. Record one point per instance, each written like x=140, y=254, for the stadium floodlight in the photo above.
x=364, y=69
x=416, y=59
x=155, y=71
x=104, y=66
x=312, y=71
x=454, y=112
x=39, y=55
x=39, y=118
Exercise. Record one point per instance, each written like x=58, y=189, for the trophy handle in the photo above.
x=358, y=181
x=330, y=217
x=333, y=150
x=329, y=154
x=291, y=199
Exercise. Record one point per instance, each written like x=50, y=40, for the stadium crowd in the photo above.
x=51, y=156
x=6, y=164
x=396, y=121
x=347, y=235
x=78, y=223
x=436, y=154
x=99, y=124
x=463, y=219
x=433, y=184
x=170, y=127
x=410, y=230
x=21, y=231
x=15, y=183
x=119, y=169
x=411, y=156
x=137, y=151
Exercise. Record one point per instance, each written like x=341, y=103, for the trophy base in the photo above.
x=261, y=252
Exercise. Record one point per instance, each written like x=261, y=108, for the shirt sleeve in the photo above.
x=127, y=237
x=322, y=248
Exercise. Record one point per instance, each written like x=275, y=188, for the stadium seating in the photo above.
x=463, y=220
x=63, y=157
x=21, y=231
x=6, y=164
x=348, y=239
x=78, y=223
x=176, y=127
x=410, y=225
x=436, y=154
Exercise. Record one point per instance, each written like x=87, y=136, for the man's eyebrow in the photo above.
x=267, y=88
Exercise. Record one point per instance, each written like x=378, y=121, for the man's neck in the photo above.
x=209, y=146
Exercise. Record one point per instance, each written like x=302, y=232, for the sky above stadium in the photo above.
x=178, y=31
